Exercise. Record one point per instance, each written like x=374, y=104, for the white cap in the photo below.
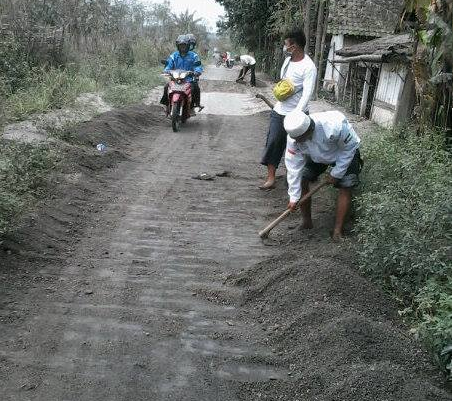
x=296, y=123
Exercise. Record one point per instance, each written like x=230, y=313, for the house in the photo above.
x=388, y=99
x=351, y=22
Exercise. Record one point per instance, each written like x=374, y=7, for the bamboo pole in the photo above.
x=323, y=43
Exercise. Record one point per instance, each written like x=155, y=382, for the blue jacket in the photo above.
x=177, y=62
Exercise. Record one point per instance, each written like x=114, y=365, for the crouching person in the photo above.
x=314, y=143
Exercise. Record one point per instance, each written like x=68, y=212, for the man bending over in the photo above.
x=314, y=143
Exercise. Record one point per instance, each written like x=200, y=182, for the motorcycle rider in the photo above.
x=217, y=57
x=228, y=59
x=192, y=41
x=196, y=88
x=184, y=59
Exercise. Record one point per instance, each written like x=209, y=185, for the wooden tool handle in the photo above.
x=265, y=99
x=264, y=233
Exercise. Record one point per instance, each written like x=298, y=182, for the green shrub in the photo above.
x=404, y=227
x=15, y=71
x=23, y=171
x=125, y=54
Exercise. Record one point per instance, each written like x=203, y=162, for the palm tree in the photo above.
x=186, y=21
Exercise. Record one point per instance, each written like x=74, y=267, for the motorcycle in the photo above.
x=228, y=62
x=179, y=97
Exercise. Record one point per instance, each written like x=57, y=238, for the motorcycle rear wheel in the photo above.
x=175, y=119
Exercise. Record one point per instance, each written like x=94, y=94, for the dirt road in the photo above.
x=128, y=284
x=122, y=317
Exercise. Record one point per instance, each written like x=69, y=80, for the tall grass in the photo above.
x=45, y=89
x=48, y=89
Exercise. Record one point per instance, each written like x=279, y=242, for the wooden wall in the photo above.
x=392, y=80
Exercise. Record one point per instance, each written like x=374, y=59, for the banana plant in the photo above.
x=432, y=61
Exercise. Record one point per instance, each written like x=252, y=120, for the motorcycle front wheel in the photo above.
x=175, y=118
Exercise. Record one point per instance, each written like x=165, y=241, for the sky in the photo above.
x=207, y=9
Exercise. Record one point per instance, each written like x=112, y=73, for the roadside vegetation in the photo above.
x=404, y=229
x=51, y=52
x=23, y=173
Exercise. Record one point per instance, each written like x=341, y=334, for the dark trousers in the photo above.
x=195, y=94
x=276, y=141
x=244, y=71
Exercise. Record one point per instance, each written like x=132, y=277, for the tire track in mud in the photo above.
x=126, y=316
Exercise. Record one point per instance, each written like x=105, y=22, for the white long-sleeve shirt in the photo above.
x=303, y=75
x=333, y=141
x=247, y=60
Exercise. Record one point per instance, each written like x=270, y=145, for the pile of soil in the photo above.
x=340, y=335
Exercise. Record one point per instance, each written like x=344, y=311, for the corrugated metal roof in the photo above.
x=364, y=17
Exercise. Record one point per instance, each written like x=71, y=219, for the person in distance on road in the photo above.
x=316, y=142
x=216, y=55
x=247, y=63
x=298, y=77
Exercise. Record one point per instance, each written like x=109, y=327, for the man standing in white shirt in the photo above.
x=316, y=142
x=301, y=71
x=247, y=63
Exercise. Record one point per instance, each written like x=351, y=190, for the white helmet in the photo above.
x=296, y=123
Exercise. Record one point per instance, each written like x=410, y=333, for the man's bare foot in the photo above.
x=337, y=237
x=269, y=184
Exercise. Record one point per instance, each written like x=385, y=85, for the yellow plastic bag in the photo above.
x=283, y=89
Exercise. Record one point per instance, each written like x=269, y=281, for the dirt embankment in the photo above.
x=76, y=185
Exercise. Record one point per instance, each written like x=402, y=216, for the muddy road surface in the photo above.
x=137, y=281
